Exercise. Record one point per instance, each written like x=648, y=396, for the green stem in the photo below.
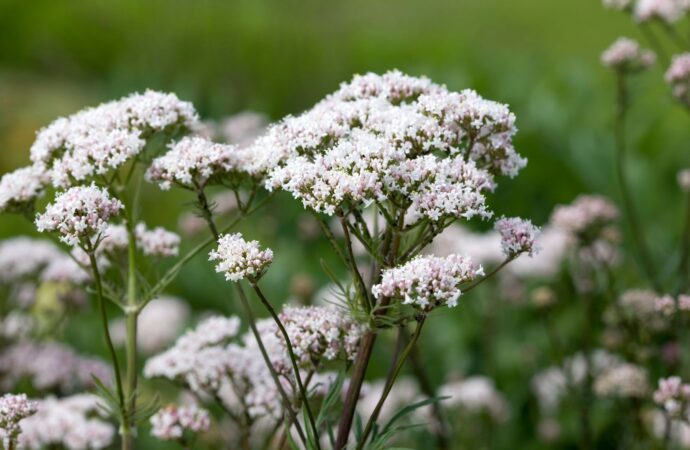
x=390, y=382
x=132, y=313
x=293, y=360
x=644, y=256
x=106, y=330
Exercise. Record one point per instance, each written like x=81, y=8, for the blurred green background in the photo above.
x=281, y=56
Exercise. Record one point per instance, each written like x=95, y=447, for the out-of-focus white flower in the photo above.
x=625, y=54
x=20, y=188
x=243, y=128
x=428, y=281
x=157, y=242
x=404, y=391
x=13, y=409
x=624, y=380
x=50, y=366
x=22, y=257
x=475, y=395
x=668, y=11
x=389, y=135
x=617, y=4
x=158, y=324
x=678, y=77
x=191, y=163
x=321, y=332
x=65, y=270
x=66, y=422
x=679, y=431
x=79, y=214
x=97, y=140
x=585, y=213
x=673, y=396
x=517, y=236
x=665, y=305
x=171, y=422
x=640, y=305
x=239, y=259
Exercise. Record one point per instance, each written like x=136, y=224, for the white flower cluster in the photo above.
x=625, y=54
x=79, y=214
x=66, y=423
x=668, y=11
x=13, y=409
x=321, y=332
x=97, y=140
x=475, y=395
x=23, y=257
x=192, y=162
x=20, y=188
x=428, y=281
x=391, y=136
x=586, y=213
x=158, y=324
x=239, y=259
x=214, y=361
x=171, y=422
x=157, y=242
x=678, y=77
x=673, y=396
x=668, y=306
x=49, y=367
x=517, y=236
x=617, y=4
x=624, y=380
x=243, y=128
x=640, y=305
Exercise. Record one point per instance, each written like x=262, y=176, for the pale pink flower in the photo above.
x=239, y=259
x=517, y=236
x=171, y=422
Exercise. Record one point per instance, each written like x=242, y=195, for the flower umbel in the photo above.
x=517, y=236
x=239, y=259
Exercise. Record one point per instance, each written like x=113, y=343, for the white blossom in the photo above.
x=22, y=257
x=624, y=380
x=668, y=11
x=239, y=259
x=673, y=396
x=517, y=236
x=157, y=242
x=191, y=163
x=97, y=140
x=242, y=128
x=170, y=422
x=626, y=54
x=683, y=178
x=79, y=214
x=13, y=409
x=20, y=188
x=475, y=395
x=428, y=281
x=678, y=77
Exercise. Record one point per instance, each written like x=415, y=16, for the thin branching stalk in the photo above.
x=293, y=360
x=366, y=300
x=644, y=256
x=391, y=380
x=132, y=314
x=106, y=331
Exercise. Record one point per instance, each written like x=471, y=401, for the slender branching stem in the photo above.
x=106, y=330
x=293, y=359
x=352, y=263
x=644, y=256
x=391, y=380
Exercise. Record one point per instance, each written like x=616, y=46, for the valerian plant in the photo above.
x=385, y=164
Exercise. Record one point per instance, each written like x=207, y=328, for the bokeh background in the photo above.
x=281, y=56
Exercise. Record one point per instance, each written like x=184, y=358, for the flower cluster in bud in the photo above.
x=392, y=136
x=171, y=422
x=626, y=55
x=673, y=396
x=13, y=409
x=97, y=140
x=192, y=163
x=79, y=214
x=428, y=281
x=67, y=422
x=678, y=77
x=239, y=259
x=321, y=332
x=517, y=236
x=19, y=189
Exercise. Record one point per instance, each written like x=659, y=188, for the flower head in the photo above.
x=667, y=11
x=517, y=236
x=170, y=422
x=192, y=162
x=678, y=77
x=79, y=214
x=587, y=214
x=13, y=409
x=626, y=55
x=97, y=140
x=623, y=380
x=239, y=259
x=391, y=135
x=20, y=188
x=429, y=281
x=157, y=242
x=673, y=395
